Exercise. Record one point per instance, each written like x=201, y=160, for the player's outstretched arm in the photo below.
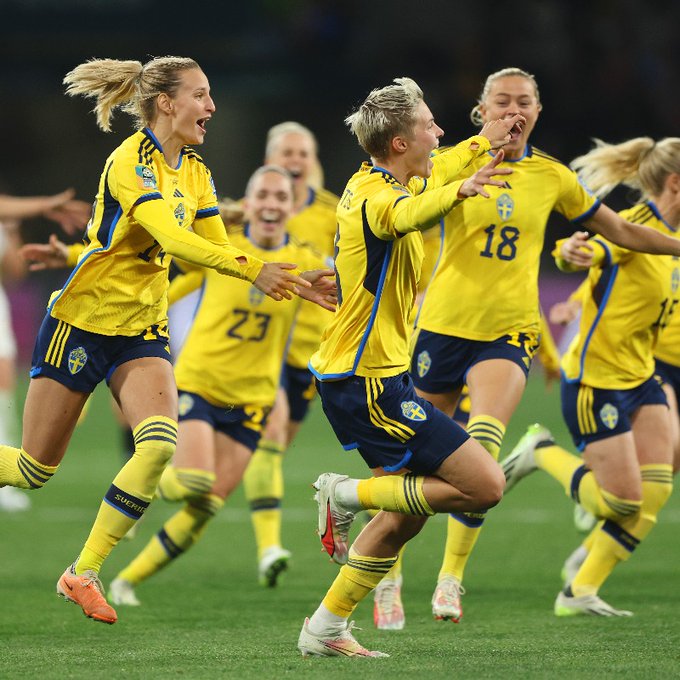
x=52, y=255
x=323, y=290
x=485, y=176
x=280, y=280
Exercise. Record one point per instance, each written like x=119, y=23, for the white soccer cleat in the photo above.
x=13, y=500
x=343, y=644
x=590, y=605
x=388, y=610
x=584, y=521
x=446, y=605
x=334, y=519
x=123, y=592
x=521, y=461
x=573, y=563
x=273, y=563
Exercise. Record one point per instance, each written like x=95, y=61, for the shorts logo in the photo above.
x=255, y=296
x=147, y=179
x=505, y=206
x=186, y=403
x=77, y=360
x=423, y=363
x=609, y=415
x=413, y=411
x=179, y=214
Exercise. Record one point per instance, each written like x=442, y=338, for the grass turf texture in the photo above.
x=205, y=616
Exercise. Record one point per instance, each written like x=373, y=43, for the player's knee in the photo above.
x=209, y=504
x=489, y=488
x=178, y=484
x=617, y=508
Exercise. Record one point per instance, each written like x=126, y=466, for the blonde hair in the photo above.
x=476, y=114
x=286, y=128
x=386, y=113
x=263, y=170
x=639, y=163
x=128, y=85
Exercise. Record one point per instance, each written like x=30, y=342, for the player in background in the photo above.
x=423, y=462
x=294, y=147
x=490, y=261
x=109, y=321
x=228, y=375
x=614, y=406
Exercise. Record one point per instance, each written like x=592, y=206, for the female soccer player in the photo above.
x=293, y=147
x=361, y=364
x=490, y=262
x=109, y=321
x=228, y=375
x=615, y=408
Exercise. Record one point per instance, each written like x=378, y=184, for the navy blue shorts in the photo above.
x=390, y=425
x=80, y=360
x=300, y=387
x=462, y=413
x=669, y=374
x=242, y=423
x=593, y=414
x=440, y=362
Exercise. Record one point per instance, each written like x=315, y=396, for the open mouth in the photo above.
x=516, y=131
x=201, y=122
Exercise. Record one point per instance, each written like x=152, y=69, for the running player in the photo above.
x=613, y=404
x=227, y=374
x=109, y=321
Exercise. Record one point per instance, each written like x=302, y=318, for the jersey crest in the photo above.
x=255, y=296
x=413, y=411
x=423, y=363
x=609, y=415
x=77, y=359
x=185, y=404
x=505, y=206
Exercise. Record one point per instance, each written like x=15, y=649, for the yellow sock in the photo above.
x=614, y=542
x=131, y=491
x=395, y=572
x=18, y=468
x=180, y=484
x=178, y=534
x=356, y=579
x=396, y=493
x=463, y=528
x=263, y=486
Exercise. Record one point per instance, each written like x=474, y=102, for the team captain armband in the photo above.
x=600, y=255
x=157, y=218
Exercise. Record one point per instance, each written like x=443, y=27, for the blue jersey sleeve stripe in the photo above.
x=206, y=212
x=588, y=213
x=148, y=197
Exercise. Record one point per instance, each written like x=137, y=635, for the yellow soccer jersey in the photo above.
x=379, y=253
x=628, y=300
x=486, y=281
x=315, y=224
x=668, y=345
x=119, y=284
x=234, y=351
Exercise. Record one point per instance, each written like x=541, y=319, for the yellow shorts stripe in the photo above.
x=374, y=389
x=55, y=351
x=584, y=408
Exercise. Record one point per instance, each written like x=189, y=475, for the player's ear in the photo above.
x=164, y=103
x=399, y=144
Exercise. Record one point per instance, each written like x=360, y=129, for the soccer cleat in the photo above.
x=86, y=590
x=13, y=500
x=343, y=644
x=123, y=592
x=584, y=521
x=334, y=520
x=521, y=461
x=446, y=605
x=590, y=605
x=572, y=564
x=273, y=563
x=388, y=610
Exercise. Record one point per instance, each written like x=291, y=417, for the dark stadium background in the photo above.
x=605, y=68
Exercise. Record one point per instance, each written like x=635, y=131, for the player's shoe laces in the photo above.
x=343, y=644
x=273, y=563
x=521, y=461
x=388, y=610
x=123, y=592
x=446, y=605
x=86, y=590
x=591, y=605
x=572, y=564
x=584, y=521
x=334, y=519
x=13, y=500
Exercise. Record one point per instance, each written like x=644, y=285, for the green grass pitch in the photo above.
x=206, y=617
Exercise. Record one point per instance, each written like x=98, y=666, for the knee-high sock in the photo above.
x=131, y=491
x=263, y=486
x=176, y=536
x=614, y=541
x=356, y=579
x=580, y=484
x=396, y=493
x=181, y=484
x=463, y=528
x=20, y=469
